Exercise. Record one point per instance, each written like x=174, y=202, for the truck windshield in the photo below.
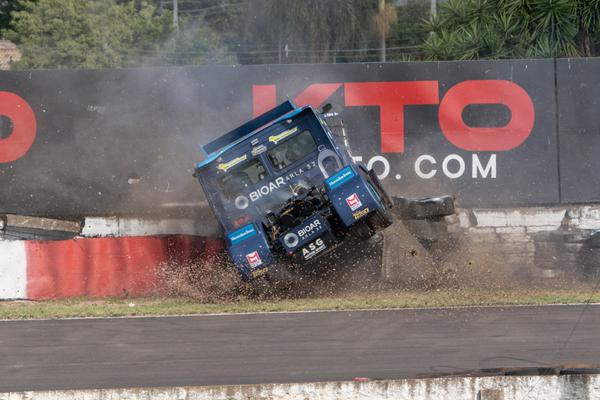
x=292, y=150
x=242, y=177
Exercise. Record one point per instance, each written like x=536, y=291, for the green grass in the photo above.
x=84, y=307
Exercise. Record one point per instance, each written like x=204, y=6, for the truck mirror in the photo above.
x=326, y=108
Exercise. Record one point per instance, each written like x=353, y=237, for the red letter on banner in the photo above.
x=23, y=121
x=391, y=97
x=264, y=97
x=503, y=138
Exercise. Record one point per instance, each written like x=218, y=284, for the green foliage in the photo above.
x=105, y=34
x=490, y=29
x=311, y=29
x=409, y=32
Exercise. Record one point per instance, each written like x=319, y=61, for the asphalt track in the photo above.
x=290, y=347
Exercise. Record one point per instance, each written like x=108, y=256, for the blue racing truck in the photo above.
x=286, y=192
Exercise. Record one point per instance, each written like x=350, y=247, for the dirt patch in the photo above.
x=457, y=263
x=209, y=281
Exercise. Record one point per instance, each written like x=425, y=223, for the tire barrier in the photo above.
x=423, y=208
x=566, y=253
x=95, y=267
x=423, y=238
x=589, y=260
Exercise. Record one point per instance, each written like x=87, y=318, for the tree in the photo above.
x=473, y=29
x=103, y=34
x=6, y=8
x=309, y=31
x=409, y=31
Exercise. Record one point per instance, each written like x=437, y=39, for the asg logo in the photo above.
x=254, y=259
x=353, y=202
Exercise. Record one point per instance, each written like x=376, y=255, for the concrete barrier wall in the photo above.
x=565, y=387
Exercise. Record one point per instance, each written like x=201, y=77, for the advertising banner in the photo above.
x=578, y=89
x=124, y=142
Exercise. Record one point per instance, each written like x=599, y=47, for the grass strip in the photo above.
x=153, y=306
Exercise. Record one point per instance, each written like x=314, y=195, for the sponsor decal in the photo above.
x=307, y=230
x=226, y=166
x=254, y=259
x=242, y=234
x=241, y=202
x=266, y=189
x=258, y=149
x=341, y=177
x=278, y=138
x=361, y=213
x=259, y=272
x=291, y=240
x=313, y=248
x=353, y=202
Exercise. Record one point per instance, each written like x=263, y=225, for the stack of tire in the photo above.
x=431, y=220
x=589, y=260
x=562, y=253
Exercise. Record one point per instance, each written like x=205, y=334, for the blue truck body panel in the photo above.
x=351, y=195
x=249, y=249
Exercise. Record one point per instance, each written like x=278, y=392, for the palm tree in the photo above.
x=473, y=29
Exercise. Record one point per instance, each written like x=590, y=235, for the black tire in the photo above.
x=589, y=262
x=594, y=240
x=563, y=236
x=385, y=197
x=423, y=208
x=383, y=217
x=362, y=231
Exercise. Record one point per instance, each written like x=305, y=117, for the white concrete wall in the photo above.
x=566, y=387
x=13, y=270
x=122, y=226
x=509, y=233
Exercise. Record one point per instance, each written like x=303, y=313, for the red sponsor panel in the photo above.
x=264, y=98
x=103, y=267
x=502, y=138
x=18, y=142
x=391, y=97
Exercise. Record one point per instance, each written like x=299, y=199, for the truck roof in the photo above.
x=218, y=147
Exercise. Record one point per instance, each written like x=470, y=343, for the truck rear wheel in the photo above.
x=383, y=217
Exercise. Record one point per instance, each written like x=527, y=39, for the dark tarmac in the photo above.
x=290, y=347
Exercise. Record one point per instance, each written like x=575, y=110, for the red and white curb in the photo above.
x=94, y=267
x=13, y=270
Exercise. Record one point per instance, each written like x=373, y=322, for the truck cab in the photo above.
x=286, y=192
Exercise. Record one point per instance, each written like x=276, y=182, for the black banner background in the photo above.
x=124, y=142
x=578, y=88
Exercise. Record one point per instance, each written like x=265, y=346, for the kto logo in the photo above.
x=353, y=202
x=22, y=132
x=392, y=97
x=254, y=259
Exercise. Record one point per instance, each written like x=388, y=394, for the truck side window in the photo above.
x=292, y=150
